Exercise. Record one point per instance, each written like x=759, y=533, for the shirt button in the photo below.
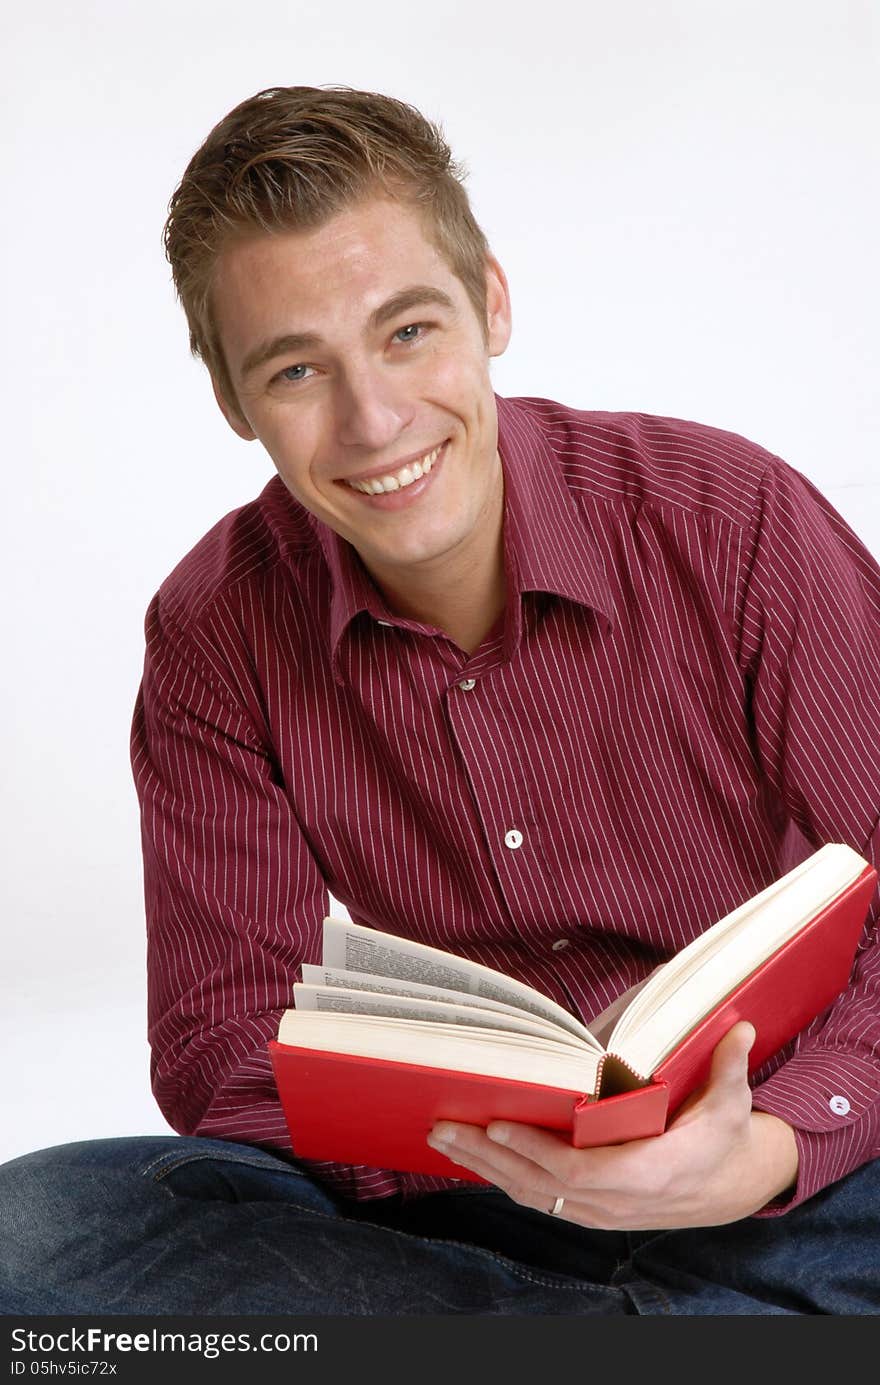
x=513, y=839
x=839, y=1105
x=467, y=683
x=559, y=944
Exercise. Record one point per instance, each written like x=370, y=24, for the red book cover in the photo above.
x=362, y=1110
x=795, y=984
x=371, y=1111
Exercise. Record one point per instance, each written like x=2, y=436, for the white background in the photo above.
x=685, y=198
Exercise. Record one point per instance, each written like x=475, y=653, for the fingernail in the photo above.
x=441, y=1137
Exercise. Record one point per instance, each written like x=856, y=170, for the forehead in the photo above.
x=326, y=279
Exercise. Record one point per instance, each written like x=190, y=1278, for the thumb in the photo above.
x=730, y=1061
x=728, y=1074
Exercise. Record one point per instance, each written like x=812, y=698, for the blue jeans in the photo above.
x=170, y=1225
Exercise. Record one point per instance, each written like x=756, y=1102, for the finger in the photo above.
x=469, y=1145
x=730, y=1061
x=729, y=1071
x=529, y=1186
x=550, y=1151
x=728, y=1077
x=601, y=1167
x=506, y=1143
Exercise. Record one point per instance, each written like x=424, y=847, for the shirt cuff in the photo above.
x=831, y=1100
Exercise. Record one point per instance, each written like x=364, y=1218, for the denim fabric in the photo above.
x=169, y=1225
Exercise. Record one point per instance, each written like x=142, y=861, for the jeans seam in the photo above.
x=645, y=1245
x=519, y=1271
x=644, y=1291
x=162, y=1166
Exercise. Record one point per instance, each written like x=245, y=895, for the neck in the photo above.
x=461, y=592
x=465, y=609
x=466, y=620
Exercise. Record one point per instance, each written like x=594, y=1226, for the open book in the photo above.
x=389, y=1035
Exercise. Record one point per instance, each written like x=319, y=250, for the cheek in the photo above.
x=457, y=384
x=295, y=446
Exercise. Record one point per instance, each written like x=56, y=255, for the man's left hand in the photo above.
x=717, y=1162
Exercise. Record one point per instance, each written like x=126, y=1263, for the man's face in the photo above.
x=357, y=357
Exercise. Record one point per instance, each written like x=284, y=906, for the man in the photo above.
x=551, y=689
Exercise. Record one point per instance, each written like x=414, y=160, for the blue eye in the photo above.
x=403, y=332
x=287, y=375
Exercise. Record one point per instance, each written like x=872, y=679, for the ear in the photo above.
x=498, y=315
x=237, y=423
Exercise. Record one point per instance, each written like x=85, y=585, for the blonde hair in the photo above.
x=290, y=158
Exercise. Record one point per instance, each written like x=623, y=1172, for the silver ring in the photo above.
x=557, y=1207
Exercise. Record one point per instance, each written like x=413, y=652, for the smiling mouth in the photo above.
x=398, y=480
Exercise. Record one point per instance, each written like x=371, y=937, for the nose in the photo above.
x=372, y=409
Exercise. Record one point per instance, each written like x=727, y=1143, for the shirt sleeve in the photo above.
x=234, y=899
x=810, y=648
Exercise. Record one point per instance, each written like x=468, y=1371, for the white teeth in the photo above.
x=398, y=480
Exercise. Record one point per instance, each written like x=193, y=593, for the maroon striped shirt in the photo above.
x=686, y=674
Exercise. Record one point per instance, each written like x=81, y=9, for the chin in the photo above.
x=413, y=552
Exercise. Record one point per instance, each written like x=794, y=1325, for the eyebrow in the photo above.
x=418, y=296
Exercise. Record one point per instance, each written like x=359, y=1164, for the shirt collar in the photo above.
x=352, y=588
x=547, y=544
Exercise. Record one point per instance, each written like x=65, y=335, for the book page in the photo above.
x=333, y=977
x=354, y=948
x=689, y=985
x=489, y=1052
x=602, y=1026
x=336, y=999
